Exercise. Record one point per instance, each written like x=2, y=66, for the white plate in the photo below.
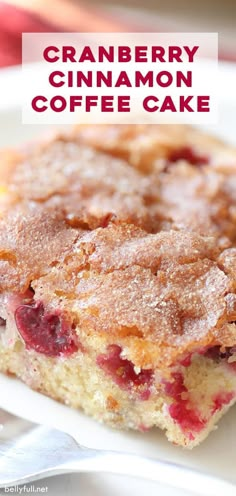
x=216, y=455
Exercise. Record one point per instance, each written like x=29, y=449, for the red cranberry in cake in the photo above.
x=187, y=417
x=122, y=371
x=189, y=155
x=218, y=353
x=2, y=322
x=45, y=332
x=222, y=399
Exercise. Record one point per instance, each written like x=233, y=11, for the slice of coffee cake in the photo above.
x=137, y=329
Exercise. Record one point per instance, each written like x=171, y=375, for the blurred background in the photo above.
x=17, y=16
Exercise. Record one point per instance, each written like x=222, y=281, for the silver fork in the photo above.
x=30, y=451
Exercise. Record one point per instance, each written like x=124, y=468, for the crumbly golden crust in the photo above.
x=88, y=185
x=197, y=173
x=156, y=177
x=32, y=240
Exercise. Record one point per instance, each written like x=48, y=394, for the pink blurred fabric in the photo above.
x=14, y=21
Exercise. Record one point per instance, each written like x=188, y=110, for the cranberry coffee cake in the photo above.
x=118, y=275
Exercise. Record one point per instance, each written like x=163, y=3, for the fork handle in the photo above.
x=164, y=472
